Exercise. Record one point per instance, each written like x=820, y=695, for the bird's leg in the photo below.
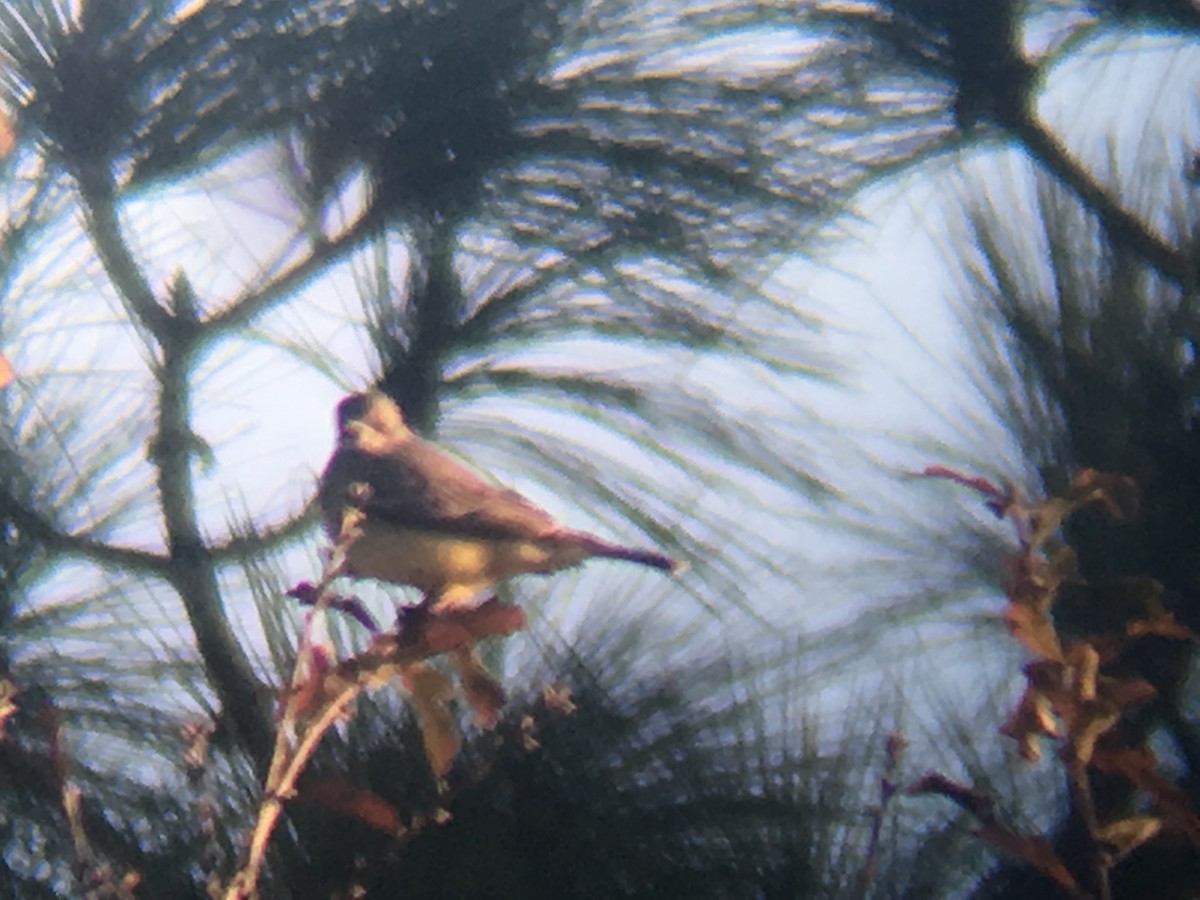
x=411, y=620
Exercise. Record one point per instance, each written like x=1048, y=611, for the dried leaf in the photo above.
x=325, y=684
x=1062, y=562
x=1084, y=662
x=1089, y=704
x=308, y=595
x=72, y=804
x=1140, y=766
x=1089, y=720
x=8, y=140
x=453, y=628
x=1045, y=518
x=1162, y=625
x=195, y=736
x=431, y=691
x=483, y=692
x=1118, y=495
x=1034, y=629
x=999, y=500
x=1125, y=835
x=1035, y=850
x=130, y=882
x=339, y=796
x=1029, y=722
x=975, y=802
x=1031, y=581
x=8, y=702
x=1123, y=693
x=557, y=701
x=529, y=741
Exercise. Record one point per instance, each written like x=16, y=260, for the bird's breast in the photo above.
x=433, y=561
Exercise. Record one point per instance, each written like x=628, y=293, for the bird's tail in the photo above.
x=599, y=547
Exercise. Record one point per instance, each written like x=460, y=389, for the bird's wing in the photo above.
x=419, y=486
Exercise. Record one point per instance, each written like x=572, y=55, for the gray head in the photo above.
x=372, y=409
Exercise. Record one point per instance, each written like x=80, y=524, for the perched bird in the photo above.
x=428, y=521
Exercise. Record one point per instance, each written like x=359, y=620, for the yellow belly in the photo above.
x=438, y=563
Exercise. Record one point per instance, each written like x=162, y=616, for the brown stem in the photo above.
x=1094, y=872
x=887, y=790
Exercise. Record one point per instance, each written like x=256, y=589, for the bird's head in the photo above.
x=371, y=411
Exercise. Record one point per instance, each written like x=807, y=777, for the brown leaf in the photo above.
x=195, y=736
x=529, y=741
x=339, y=796
x=1062, y=562
x=998, y=500
x=323, y=685
x=8, y=140
x=1031, y=580
x=975, y=802
x=1035, y=850
x=484, y=693
x=1034, y=629
x=1160, y=623
x=1045, y=517
x=308, y=595
x=1090, y=720
x=1123, y=693
x=8, y=702
x=456, y=627
x=1118, y=495
x=1084, y=663
x=557, y=701
x=1140, y=766
x=1089, y=703
x=1125, y=835
x=1030, y=721
x=7, y=373
x=431, y=691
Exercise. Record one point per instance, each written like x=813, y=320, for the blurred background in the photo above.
x=713, y=277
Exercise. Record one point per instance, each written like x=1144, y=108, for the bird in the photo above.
x=425, y=520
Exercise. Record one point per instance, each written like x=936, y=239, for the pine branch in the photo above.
x=190, y=567
x=1122, y=227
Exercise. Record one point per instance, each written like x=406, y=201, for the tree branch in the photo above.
x=96, y=193
x=251, y=304
x=190, y=566
x=238, y=546
x=1122, y=228
x=193, y=570
x=43, y=531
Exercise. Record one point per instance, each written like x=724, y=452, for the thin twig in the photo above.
x=286, y=764
x=1095, y=862
x=887, y=790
